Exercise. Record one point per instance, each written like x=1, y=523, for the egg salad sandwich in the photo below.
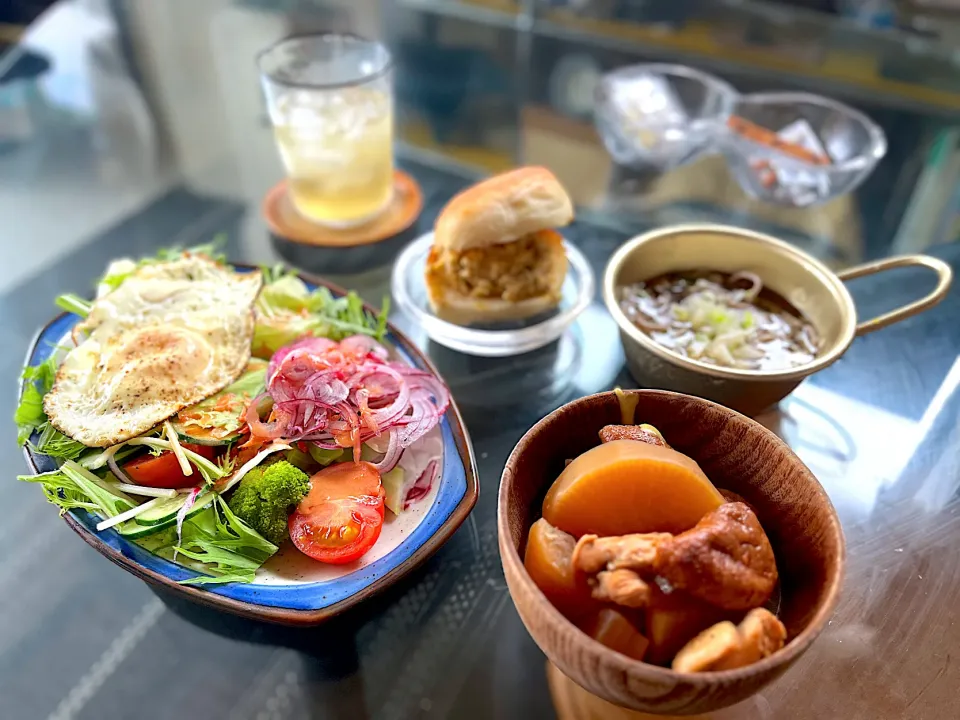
x=496, y=255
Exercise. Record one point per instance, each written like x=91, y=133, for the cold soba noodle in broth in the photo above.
x=722, y=319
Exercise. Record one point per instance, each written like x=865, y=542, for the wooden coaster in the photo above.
x=572, y=702
x=284, y=221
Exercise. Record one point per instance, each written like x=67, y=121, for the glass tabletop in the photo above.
x=148, y=129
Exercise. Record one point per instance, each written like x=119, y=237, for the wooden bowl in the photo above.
x=737, y=454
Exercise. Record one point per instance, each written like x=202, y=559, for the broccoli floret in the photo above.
x=265, y=495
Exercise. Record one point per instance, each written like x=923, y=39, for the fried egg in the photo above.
x=172, y=334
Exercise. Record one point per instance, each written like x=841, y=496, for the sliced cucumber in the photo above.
x=325, y=457
x=165, y=513
x=393, y=490
x=196, y=435
x=215, y=421
x=301, y=460
x=133, y=530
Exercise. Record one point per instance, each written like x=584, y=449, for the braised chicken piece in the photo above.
x=761, y=635
x=725, y=646
x=641, y=433
x=708, y=649
x=635, y=552
x=725, y=559
x=671, y=620
x=622, y=587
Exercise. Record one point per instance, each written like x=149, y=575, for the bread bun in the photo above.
x=495, y=254
x=502, y=209
x=460, y=309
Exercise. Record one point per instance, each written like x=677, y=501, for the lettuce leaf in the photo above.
x=120, y=270
x=228, y=548
x=37, y=381
x=30, y=417
x=214, y=541
x=72, y=486
x=55, y=444
x=287, y=311
x=74, y=304
x=61, y=491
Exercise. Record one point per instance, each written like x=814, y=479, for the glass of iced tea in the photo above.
x=331, y=105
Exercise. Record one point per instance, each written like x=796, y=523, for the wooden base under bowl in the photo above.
x=572, y=702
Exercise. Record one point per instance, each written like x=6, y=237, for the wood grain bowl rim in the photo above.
x=288, y=616
x=573, y=636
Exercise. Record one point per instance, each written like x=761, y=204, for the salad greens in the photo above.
x=74, y=304
x=37, y=381
x=225, y=545
x=72, y=486
x=287, y=310
x=120, y=270
x=30, y=417
x=183, y=525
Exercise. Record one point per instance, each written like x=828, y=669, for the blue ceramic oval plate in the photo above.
x=291, y=588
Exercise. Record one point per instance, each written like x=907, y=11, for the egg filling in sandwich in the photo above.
x=496, y=255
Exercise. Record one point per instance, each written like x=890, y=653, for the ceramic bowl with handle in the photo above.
x=803, y=281
x=737, y=454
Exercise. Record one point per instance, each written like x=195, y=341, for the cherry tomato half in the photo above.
x=163, y=471
x=341, y=517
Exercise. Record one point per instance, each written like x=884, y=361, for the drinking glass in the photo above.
x=331, y=105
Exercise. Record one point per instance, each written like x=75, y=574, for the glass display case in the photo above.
x=907, y=83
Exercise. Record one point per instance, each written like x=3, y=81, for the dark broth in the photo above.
x=724, y=319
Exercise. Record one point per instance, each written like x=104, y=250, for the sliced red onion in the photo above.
x=421, y=488
x=391, y=456
x=378, y=402
x=314, y=345
x=182, y=514
x=310, y=410
x=271, y=430
x=337, y=426
x=326, y=388
x=295, y=369
x=380, y=443
x=424, y=418
x=362, y=345
x=119, y=474
x=385, y=416
x=433, y=387
x=323, y=391
x=299, y=423
x=411, y=427
x=327, y=444
x=374, y=377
